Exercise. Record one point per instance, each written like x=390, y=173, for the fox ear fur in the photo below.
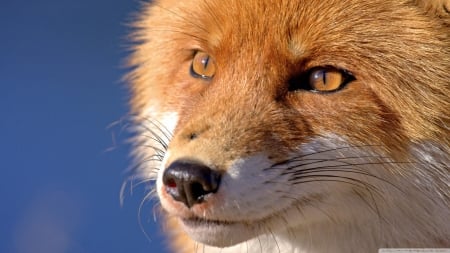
x=440, y=8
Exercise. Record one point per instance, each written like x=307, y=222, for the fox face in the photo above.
x=298, y=126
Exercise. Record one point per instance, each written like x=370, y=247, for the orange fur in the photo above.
x=398, y=51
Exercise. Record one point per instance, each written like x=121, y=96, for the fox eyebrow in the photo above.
x=295, y=47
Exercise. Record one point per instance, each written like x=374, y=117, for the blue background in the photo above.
x=61, y=166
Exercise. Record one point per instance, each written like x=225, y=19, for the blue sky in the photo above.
x=61, y=166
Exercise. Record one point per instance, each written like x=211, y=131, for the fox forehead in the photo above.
x=298, y=25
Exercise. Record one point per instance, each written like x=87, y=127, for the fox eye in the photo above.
x=325, y=79
x=321, y=79
x=203, y=66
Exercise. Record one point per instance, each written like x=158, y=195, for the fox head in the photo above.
x=284, y=118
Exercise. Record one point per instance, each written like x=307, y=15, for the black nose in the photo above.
x=190, y=182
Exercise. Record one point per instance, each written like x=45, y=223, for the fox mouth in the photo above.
x=218, y=233
x=200, y=222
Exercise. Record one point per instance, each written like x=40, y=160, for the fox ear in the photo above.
x=440, y=8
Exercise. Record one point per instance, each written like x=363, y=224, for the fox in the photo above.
x=300, y=126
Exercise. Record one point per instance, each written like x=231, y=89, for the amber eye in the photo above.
x=321, y=79
x=325, y=79
x=203, y=66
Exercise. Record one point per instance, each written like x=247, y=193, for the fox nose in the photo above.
x=190, y=182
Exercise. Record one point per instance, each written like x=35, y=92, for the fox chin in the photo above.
x=293, y=125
